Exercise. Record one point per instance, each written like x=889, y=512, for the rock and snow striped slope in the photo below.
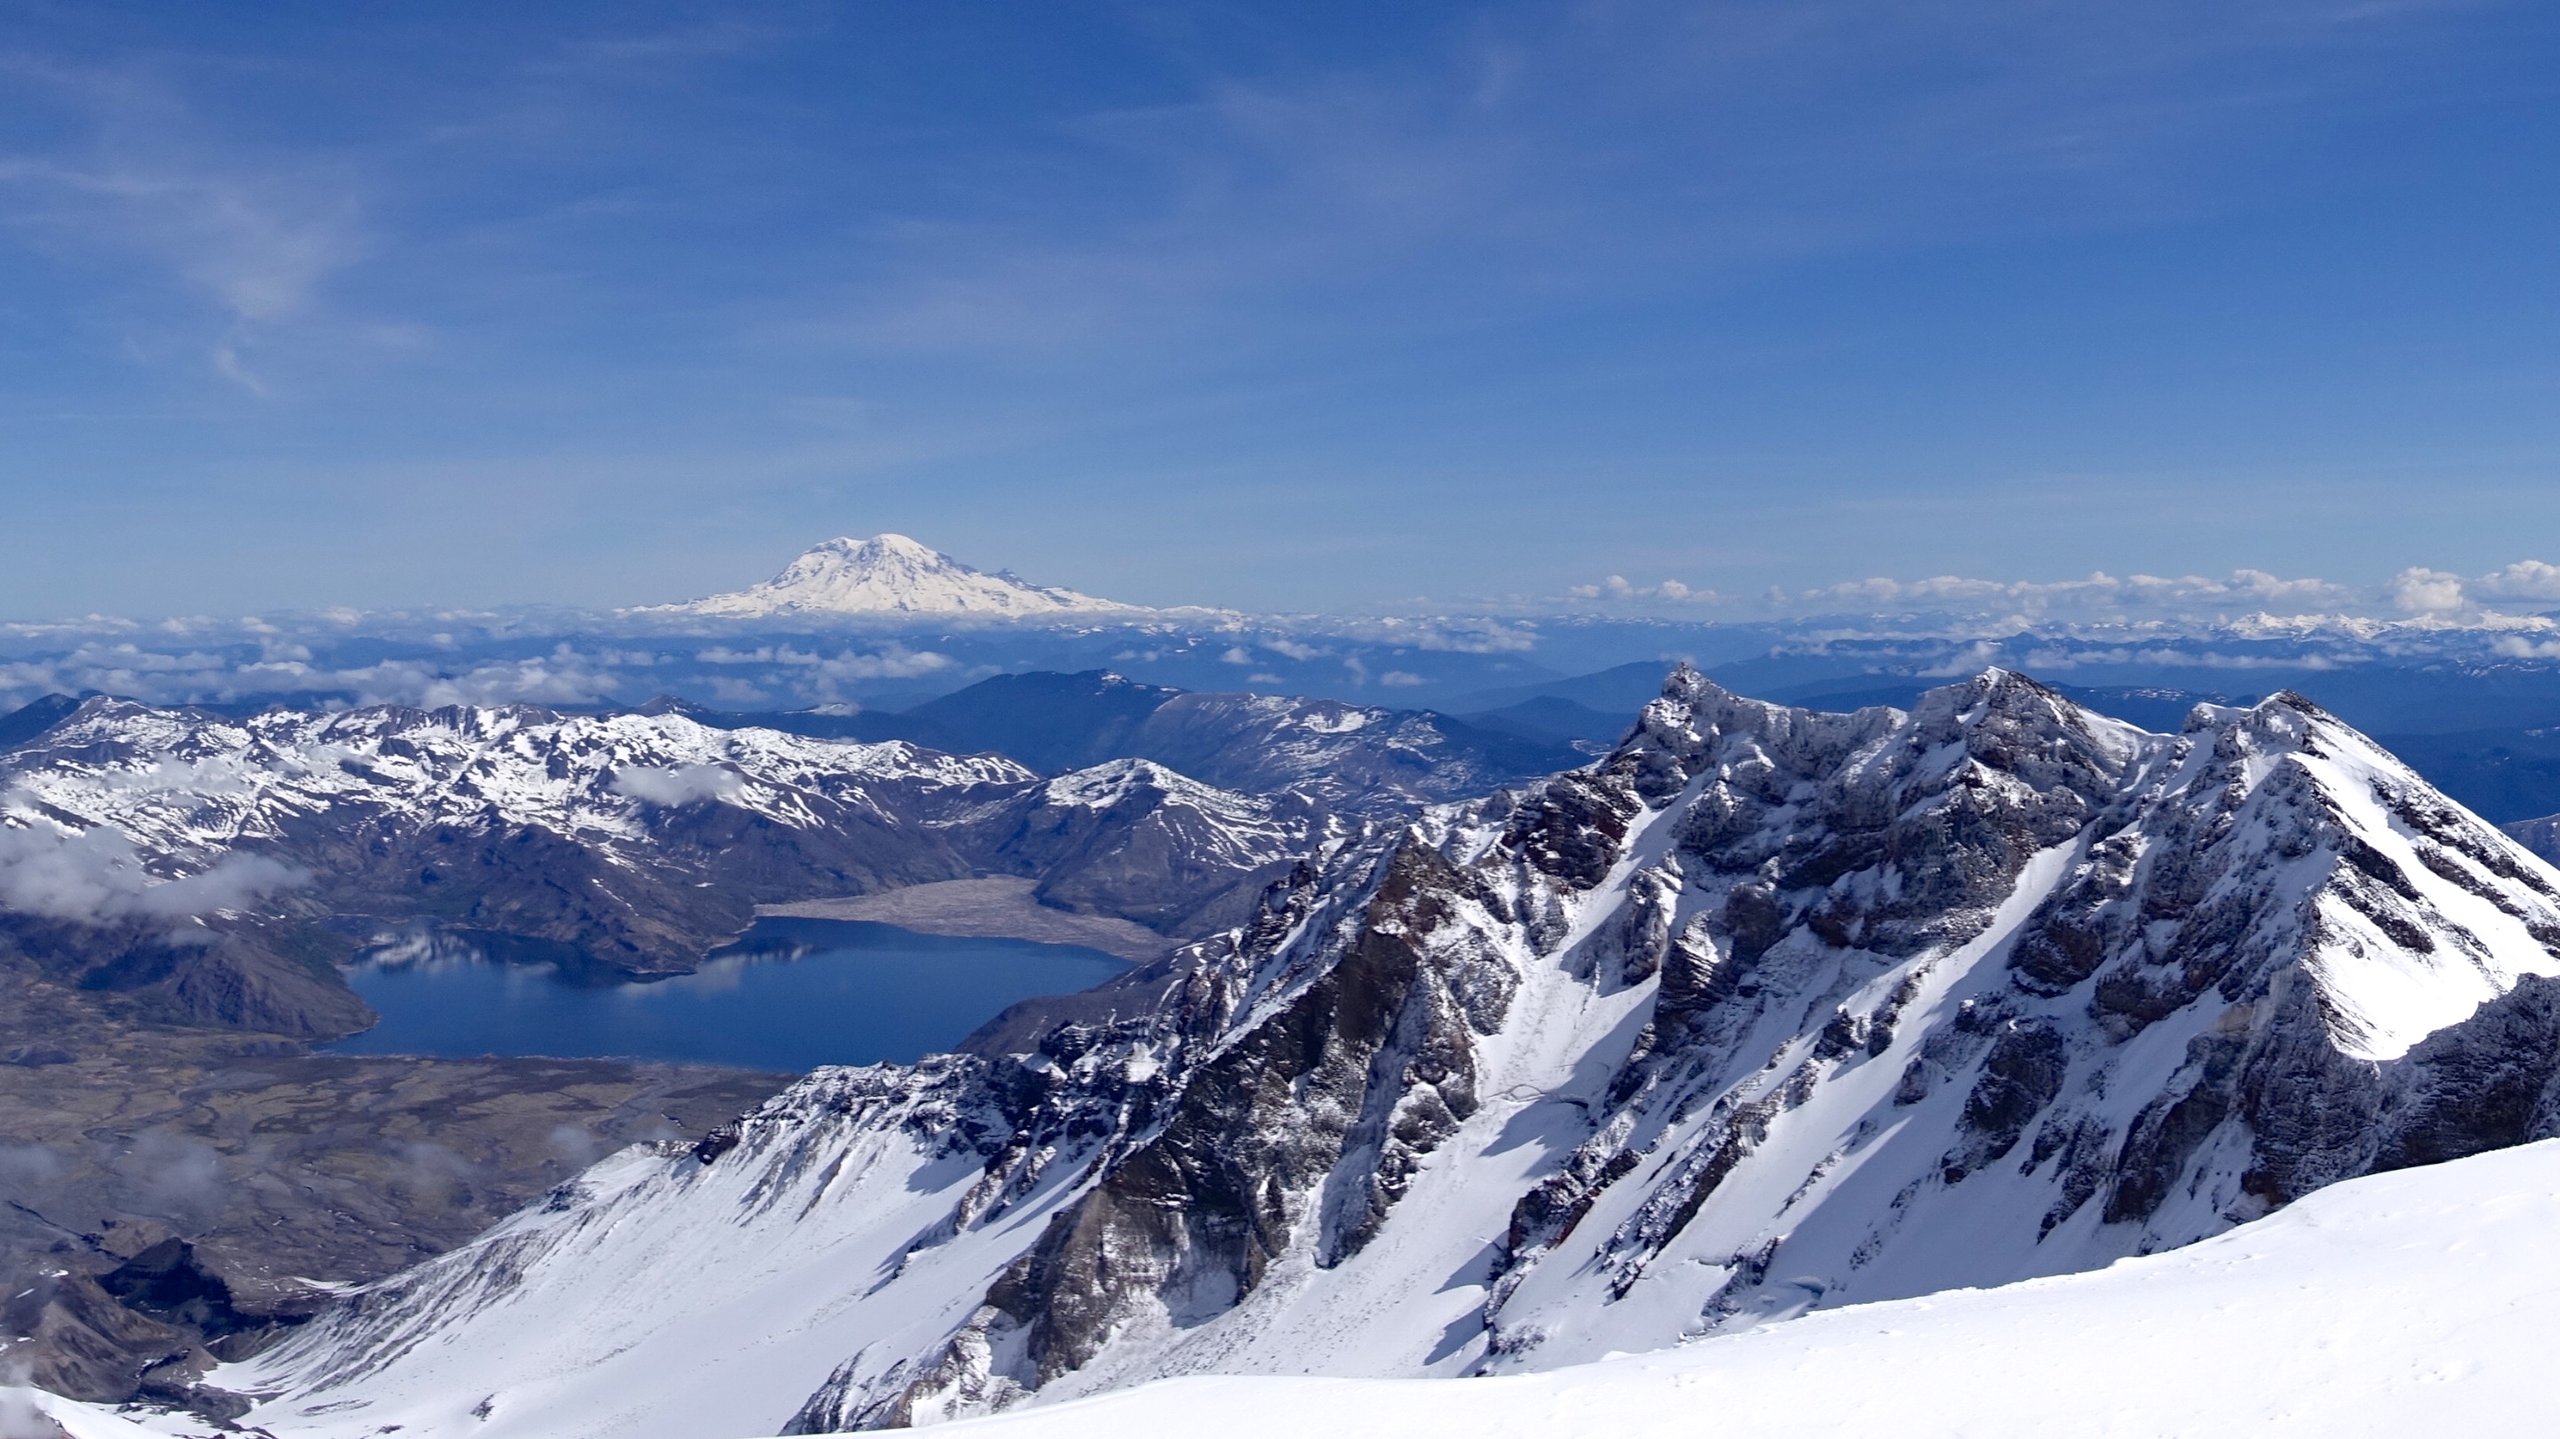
x=2410, y=1303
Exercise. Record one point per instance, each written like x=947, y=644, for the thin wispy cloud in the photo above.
x=1522, y=288
x=139, y=180
x=1555, y=154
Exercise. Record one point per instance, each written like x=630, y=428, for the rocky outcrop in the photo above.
x=1313, y=1118
x=2542, y=836
x=231, y=974
x=1134, y=839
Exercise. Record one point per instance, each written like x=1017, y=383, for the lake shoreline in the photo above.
x=795, y=993
x=985, y=908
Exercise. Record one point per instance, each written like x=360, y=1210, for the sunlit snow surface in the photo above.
x=2412, y=1303
x=2419, y=1302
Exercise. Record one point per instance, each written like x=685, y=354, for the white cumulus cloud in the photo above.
x=2523, y=580
x=1620, y=588
x=97, y=876
x=2422, y=591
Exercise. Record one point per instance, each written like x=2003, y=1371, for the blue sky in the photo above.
x=1309, y=306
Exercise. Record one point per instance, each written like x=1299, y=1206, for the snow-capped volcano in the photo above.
x=891, y=575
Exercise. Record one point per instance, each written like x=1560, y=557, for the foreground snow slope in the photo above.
x=2416, y=1302
x=2419, y=1302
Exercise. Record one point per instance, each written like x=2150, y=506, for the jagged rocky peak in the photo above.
x=1768, y=1010
x=891, y=575
x=2402, y=911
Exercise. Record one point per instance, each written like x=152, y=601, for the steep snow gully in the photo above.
x=1770, y=1011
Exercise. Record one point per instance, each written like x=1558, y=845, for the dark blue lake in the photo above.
x=793, y=994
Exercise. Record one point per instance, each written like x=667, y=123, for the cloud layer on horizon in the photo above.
x=2417, y=592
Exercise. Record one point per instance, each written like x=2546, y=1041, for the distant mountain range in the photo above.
x=889, y=623
x=629, y=844
x=1358, y=758
x=634, y=843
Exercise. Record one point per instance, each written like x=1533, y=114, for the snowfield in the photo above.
x=2417, y=1302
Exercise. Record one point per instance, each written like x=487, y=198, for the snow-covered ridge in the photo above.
x=1109, y=783
x=1234, y=826
x=641, y=841
x=1352, y=756
x=895, y=576
x=187, y=785
x=1771, y=1011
